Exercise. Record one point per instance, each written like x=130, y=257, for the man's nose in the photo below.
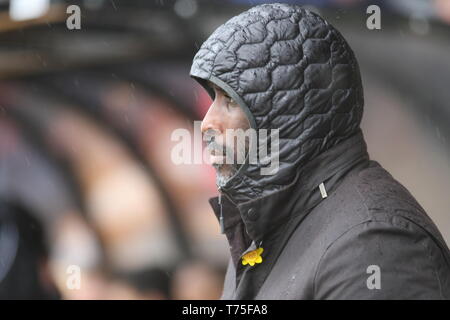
x=213, y=119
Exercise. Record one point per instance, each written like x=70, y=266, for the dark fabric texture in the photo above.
x=291, y=70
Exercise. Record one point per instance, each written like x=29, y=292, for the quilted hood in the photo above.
x=288, y=69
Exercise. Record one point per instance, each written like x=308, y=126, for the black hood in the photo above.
x=288, y=69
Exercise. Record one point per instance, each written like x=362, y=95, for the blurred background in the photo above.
x=86, y=181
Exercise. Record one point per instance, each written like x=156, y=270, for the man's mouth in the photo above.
x=216, y=156
x=216, y=153
x=216, y=159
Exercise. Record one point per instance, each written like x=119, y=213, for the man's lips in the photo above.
x=215, y=157
x=217, y=153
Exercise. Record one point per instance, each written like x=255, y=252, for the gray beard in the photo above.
x=225, y=171
x=223, y=177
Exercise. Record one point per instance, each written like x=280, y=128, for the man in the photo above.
x=330, y=223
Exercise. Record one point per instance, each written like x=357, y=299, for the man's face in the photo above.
x=223, y=114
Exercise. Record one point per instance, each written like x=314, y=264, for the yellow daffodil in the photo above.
x=252, y=257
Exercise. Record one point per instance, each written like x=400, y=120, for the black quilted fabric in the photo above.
x=289, y=69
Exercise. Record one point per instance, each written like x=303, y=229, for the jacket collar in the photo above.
x=264, y=214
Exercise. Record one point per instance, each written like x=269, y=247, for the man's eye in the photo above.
x=230, y=101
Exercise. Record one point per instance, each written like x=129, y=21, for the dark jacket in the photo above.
x=289, y=69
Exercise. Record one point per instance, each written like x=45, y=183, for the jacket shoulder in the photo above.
x=371, y=194
x=379, y=196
